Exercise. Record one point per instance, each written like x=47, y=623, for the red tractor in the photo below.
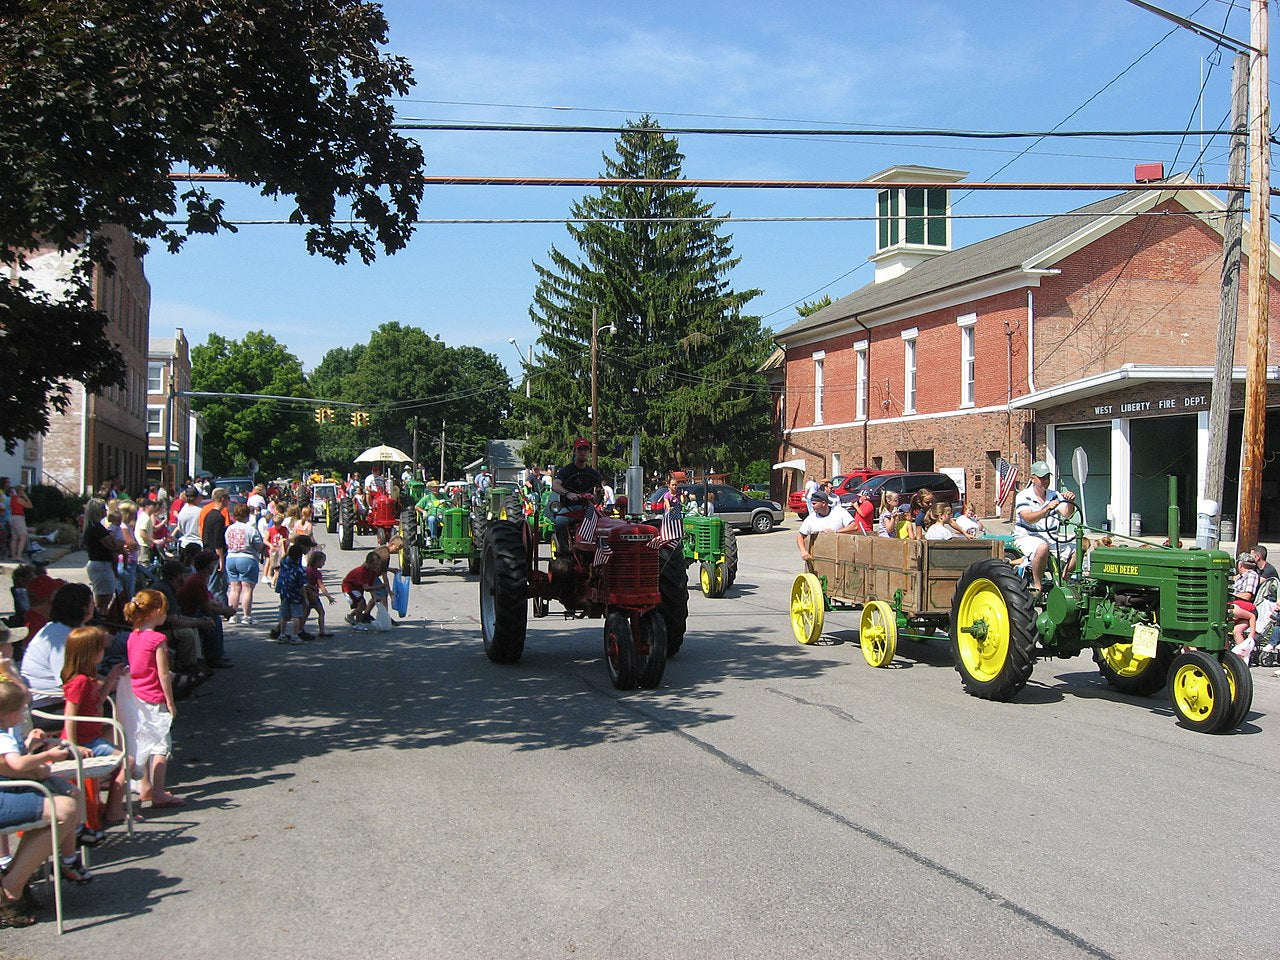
x=619, y=571
x=382, y=517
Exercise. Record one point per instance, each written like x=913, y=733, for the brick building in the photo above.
x=1025, y=345
x=103, y=436
x=170, y=419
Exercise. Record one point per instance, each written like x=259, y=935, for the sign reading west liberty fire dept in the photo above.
x=1151, y=408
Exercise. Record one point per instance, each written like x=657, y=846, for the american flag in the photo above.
x=603, y=553
x=671, y=530
x=1006, y=480
x=587, y=530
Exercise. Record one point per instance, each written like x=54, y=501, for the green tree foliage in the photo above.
x=403, y=377
x=810, y=307
x=278, y=434
x=680, y=364
x=100, y=100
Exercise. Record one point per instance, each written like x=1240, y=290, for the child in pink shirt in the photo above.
x=153, y=687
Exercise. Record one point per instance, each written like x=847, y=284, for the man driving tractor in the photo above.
x=575, y=483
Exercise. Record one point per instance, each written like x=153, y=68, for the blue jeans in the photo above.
x=433, y=525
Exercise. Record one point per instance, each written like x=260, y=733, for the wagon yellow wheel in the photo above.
x=807, y=608
x=878, y=633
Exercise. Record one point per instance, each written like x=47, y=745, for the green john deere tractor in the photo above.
x=713, y=545
x=1154, y=617
x=457, y=540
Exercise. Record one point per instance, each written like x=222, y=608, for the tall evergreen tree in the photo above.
x=679, y=365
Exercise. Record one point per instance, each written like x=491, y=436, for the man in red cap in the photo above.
x=574, y=483
x=40, y=592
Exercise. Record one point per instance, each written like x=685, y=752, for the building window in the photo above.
x=818, y=360
x=835, y=464
x=909, y=371
x=913, y=215
x=860, y=380
x=967, y=363
x=155, y=421
x=155, y=377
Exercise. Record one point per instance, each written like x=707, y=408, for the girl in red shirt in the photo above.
x=84, y=693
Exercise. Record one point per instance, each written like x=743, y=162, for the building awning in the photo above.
x=790, y=465
x=1130, y=374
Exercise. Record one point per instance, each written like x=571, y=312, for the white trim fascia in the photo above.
x=1136, y=372
x=819, y=354
x=910, y=418
x=994, y=285
x=911, y=333
x=966, y=320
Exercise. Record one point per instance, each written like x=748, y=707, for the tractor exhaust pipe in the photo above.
x=1175, y=534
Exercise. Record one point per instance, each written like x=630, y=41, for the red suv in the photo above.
x=841, y=486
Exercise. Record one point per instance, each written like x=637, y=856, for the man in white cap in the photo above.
x=825, y=517
x=1038, y=509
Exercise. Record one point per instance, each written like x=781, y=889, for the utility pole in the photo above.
x=1255, y=385
x=170, y=482
x=442, y=453
x=414, y=422
x=595, y=333
x=1229, y=302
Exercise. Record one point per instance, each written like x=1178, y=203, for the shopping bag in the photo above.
x=381, y=618
x=400, y=595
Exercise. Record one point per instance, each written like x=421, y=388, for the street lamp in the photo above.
x=528, y=365
x=595, y=351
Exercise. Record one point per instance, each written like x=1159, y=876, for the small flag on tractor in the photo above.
x=671, y=530
x=603, y=553
x=1006, y=480
x=587, y=530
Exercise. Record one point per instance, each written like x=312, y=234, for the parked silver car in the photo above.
x=731, y=505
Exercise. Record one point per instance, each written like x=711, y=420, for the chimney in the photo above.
x=913, y=224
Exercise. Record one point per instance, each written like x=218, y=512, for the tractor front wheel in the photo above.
x=878, y=633
x=330, y=517
x=1130, y=673
x=1199, y=691
x=993, y=636
x=650, y=636
x=620, y=650
x=504, y=589
x=711, y=577
x=415, y=563
x=1240, y=683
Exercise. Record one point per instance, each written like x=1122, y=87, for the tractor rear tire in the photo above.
x=504, y=591
x=993, y=634
x=415, y=564
x=650, y=635
x=330, y=517
x=346, y=525
x=730, y=555
x=1199, y=691
x=620, y=651
x=673, y=583
x=1139, y=676
x=1240, y=681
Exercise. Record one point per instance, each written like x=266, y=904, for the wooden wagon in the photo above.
x=904, y=587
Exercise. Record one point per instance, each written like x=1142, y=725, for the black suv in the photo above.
x=731, y=505
x=905, y=485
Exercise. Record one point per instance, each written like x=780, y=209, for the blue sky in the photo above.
x=961, y=64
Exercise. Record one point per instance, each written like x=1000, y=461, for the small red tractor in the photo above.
x=620, y=571
x=382, y=516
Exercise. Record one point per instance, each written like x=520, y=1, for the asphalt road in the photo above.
x=397, y=795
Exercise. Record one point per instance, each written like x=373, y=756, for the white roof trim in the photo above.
x=1135, y=373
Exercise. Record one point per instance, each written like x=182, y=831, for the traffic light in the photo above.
x=319, y=415
x=324, y=415
x=359, y=418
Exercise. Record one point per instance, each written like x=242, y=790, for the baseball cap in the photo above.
x=43, y=587
x=1247, y=558
x=821, y=496
x=1040, y=469
x=581, y=442
x=191, y=493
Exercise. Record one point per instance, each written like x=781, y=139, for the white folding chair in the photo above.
x=52, y=825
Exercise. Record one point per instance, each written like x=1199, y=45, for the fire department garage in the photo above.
x=1137, y=426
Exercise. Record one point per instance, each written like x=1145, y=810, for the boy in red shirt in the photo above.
x=364, y=579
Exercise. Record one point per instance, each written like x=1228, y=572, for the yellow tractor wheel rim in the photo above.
x=1193, y=692
x=984, y=656
x=1124, y=662
x=807, y=608
x=878, y=633
x=704, y=577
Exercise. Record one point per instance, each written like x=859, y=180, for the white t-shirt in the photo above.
x=1027, y=499
x=188, y=525
x=42, y=663
x=837, y=519
x=375, y=481
x=939, y=531
x=968, y=524
x=609, y=497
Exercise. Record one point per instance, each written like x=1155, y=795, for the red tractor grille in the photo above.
x=632, y=575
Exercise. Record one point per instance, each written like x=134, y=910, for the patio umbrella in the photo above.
x=383, y=454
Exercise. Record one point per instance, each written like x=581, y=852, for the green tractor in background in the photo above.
x=713, y=545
